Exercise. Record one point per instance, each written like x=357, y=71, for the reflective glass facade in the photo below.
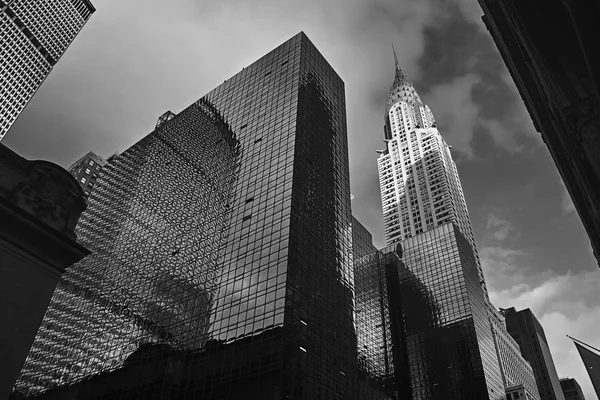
x=222, y=261
x=33, y=36
x=422, y=323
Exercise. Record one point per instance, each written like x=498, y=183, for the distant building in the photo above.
x=86, y=171
x=571, y=389
x=33, y=37
x=40, y=204
x=525, y=328
x=362, y=240
x=518, y=392
x=515, y=370
x=551, y=50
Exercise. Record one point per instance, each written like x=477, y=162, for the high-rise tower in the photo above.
x=221, y=242
x=525, y=328
x=454, y=341
x=33, y=37
x=420, y=188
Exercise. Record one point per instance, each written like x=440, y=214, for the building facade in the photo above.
x=425, y=213
x=518, y=392
x=221, y=242
x=33, y=37
x=516, y=370
x=86, y=171
x=527, y=331
x=550, y=49
x=571, y=389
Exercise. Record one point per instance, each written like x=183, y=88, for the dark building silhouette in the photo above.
x=571, y=389
x=226, y=229
x=551, y=50
x=40, y=204
x=86, y=171
x=525, y=328
x=591, y=359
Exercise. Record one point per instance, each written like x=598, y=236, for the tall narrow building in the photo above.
x=571, y=389
x=33, y=37
x=420, y=187
x=525, y=328
x=454, y=342
x=221, y=242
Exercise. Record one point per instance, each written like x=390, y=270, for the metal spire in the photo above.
x=399, y=71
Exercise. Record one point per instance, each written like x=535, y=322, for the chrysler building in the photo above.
x=420, y=188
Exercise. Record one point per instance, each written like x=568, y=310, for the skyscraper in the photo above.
x=571, y=389
x=221, y=242
x=454, y=340
x=86, y=171
x=33, y=37
x=525, y=328
x=420, y=187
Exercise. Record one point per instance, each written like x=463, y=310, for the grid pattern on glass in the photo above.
x=374, y=323
x=362, y=240
x=461, y=342
x=274, y=315
x=153, y=270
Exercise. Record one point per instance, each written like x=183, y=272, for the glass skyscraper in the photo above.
x=221, y=242
x=33, y=37
x=424, y=294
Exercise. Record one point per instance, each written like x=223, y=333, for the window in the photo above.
x=91, y=163
x=83, y=180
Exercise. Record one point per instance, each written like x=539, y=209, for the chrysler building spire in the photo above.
x=399, y=76
x=401, y=89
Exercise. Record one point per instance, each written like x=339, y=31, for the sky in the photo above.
x=136, y=59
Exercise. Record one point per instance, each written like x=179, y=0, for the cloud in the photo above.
x=502, y=226
x=455, y=111
x=565, y=304
x=502, y=266
x=566, y=203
